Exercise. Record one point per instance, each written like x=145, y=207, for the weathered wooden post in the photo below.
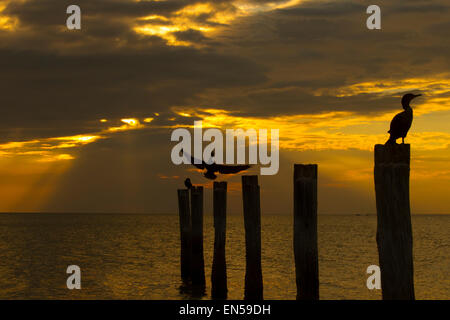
x=305, y=231
x=185, y=233
x=198, y=264
x=219, y=268
x=252, y=223
x=394, y=232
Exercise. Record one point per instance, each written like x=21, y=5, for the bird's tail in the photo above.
x=390, y=141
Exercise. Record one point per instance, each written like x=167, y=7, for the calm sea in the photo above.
x=124, y=256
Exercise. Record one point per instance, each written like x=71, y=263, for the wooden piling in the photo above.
x=252, y=223
x=198, y=264
x=185, y=233
x=305, y=232
x=219, y=268
x=394, y=232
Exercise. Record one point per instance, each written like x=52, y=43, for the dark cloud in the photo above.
x=43, y=89
x=50, y=12
x=326, y=45
x=190, y=35
x=325, y=9
x=270, y=63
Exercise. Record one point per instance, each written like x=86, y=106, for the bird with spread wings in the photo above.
x=212, y=168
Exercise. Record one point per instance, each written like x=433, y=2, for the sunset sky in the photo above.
x=86, y=115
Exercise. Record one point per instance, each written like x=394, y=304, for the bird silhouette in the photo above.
x=188, y=183
x=401, y=123
x=212, y=167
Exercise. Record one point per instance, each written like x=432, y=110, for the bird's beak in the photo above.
x=416, y=95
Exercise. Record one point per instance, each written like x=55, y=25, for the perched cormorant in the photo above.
x=401, y=123
x=212, y=168
x=188, y=183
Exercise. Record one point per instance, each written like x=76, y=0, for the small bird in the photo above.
x=401, y=123
x=188, y=183
x=212, y=168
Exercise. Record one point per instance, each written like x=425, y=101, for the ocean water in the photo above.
x=125, y=256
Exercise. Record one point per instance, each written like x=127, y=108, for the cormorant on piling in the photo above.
x=188, y=183
x=212, y=168
x=401, y=123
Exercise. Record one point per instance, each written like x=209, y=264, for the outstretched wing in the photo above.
x=192, y=159
x=232, y=169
